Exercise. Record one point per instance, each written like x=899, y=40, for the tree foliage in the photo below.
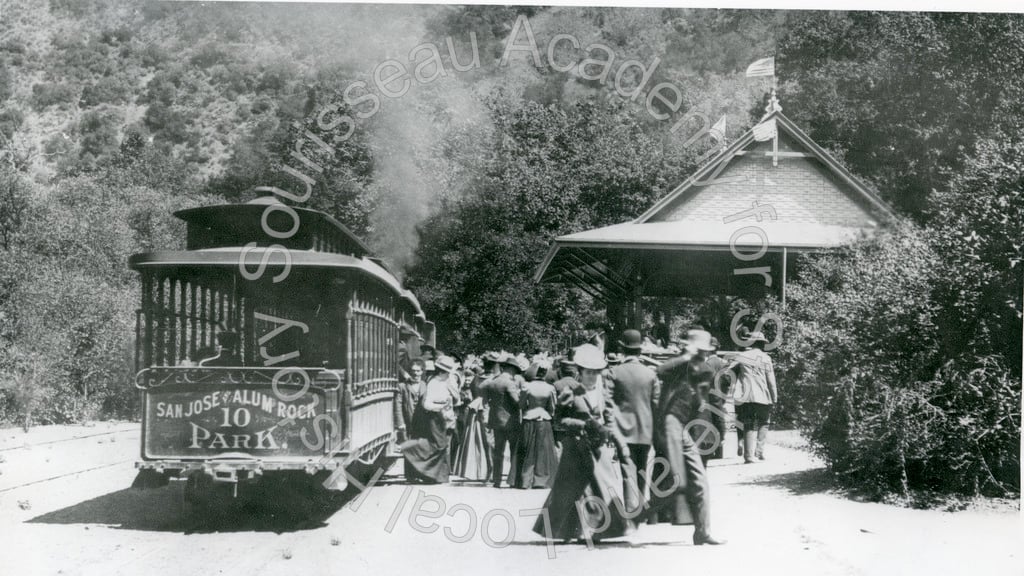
x=67, y=299
x=551, y=171
x=881, y=396
x=903, y=98
x=903, y=354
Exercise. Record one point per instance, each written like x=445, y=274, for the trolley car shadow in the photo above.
x=285, y=510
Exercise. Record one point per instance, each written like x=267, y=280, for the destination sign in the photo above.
x=248, y=420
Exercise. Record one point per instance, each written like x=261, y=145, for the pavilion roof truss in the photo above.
x=591, y=274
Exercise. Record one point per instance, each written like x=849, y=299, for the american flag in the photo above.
x=765, y=131
x=718, y=130
x=763, y=67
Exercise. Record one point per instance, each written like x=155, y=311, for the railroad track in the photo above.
x=82, y=468
x=65, y=475
x=61, y=440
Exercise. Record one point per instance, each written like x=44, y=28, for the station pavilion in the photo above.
x=727, y=231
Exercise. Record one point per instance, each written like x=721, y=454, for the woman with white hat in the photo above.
x=427, y=452
x=588, y=469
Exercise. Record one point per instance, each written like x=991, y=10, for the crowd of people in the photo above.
x=585, y=425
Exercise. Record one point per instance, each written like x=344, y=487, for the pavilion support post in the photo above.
x=636, y=308
x=614, y=312
x=782, y=288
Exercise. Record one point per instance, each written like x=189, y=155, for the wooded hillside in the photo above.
x=114, y=114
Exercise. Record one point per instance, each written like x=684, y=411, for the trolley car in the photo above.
x=260, y=353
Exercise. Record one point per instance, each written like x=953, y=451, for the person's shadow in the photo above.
x=799, y=483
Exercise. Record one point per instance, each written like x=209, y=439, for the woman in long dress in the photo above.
x=473, y=458
x=427, y=452
x=536, y=457
x=585, y=501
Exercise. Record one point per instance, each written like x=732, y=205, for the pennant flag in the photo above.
x=718, y=130
x=763, y=67
x=765, y=131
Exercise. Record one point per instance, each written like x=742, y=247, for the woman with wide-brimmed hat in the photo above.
x=593, y=477
x=427, y=456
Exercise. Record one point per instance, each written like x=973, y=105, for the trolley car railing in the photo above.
x=373, y=336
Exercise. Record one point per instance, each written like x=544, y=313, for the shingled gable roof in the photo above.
x=652, y=230
x=786, y=125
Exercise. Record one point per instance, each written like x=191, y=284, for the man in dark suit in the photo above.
x=679, y=404
x=708, y=429
x=490, y=369
x=408, y=397
x=633, y=389
x=502, y=395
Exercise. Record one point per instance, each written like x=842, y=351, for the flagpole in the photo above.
x=775, y=141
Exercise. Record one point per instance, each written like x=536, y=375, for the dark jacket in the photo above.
x=573, y=401
x=408, y=397
x=678, y=396
x=502, y=395
x=633, y=390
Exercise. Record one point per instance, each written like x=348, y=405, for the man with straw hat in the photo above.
x=686, y=488
x=633, y=389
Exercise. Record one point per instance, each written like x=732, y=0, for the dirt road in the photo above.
x=66, y=508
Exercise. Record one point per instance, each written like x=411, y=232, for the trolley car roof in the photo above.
x=230, y=258
x=244, y=222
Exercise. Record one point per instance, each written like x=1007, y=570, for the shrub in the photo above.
x=82, y=60
x=6, y=84
x=210, y=54
x=72, y=8
x=99, y=130
x=276, y=76
x=114, y=36
x=50, y=94
x=11, y=120
x=167, y=122
x=162, y=87
x=13, y=46
x=107, y=90
x=235, y=78
x=878, y=391
x=153, y=55
x=67, y=298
